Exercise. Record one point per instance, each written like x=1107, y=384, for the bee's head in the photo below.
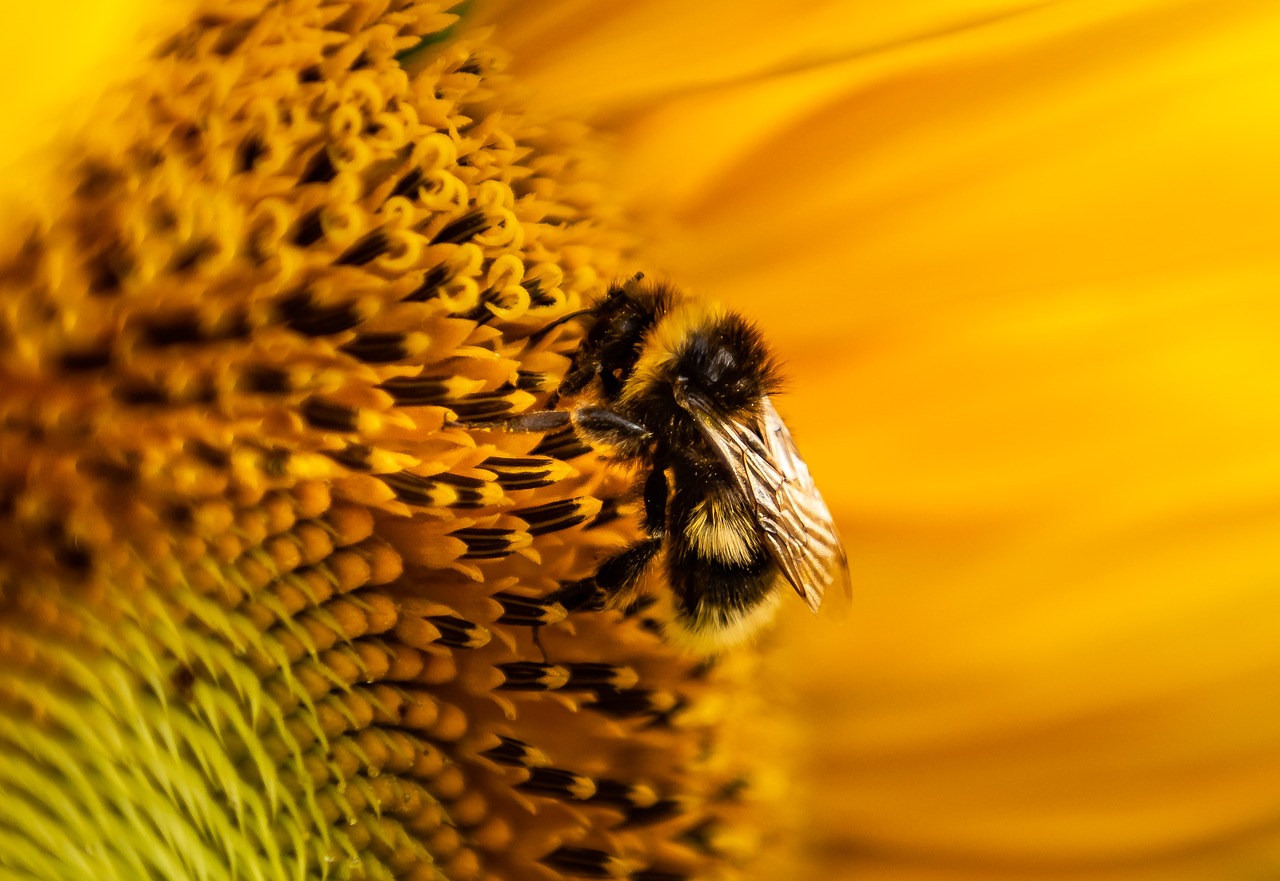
x=724, y=361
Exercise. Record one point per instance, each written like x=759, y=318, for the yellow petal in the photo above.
x=587, y=57
x=57, y=60
x=1024, y=275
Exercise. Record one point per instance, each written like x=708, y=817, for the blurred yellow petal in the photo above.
x=1023, y=269
x=589, y=57
x=57, y=60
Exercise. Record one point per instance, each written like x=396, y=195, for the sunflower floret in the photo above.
x=272, y=605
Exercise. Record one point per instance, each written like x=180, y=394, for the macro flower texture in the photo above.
x=275, y=603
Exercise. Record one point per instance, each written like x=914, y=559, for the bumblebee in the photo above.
x=682, y=389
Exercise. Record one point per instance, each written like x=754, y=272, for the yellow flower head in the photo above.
x=270, y=607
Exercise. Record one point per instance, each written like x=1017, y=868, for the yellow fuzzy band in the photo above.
x=663, y=343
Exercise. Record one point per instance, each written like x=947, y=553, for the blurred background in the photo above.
x=1021, y=260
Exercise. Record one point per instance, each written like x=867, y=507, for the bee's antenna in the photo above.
x=541, y=332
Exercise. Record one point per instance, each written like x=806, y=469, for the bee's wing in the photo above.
x=794, y=521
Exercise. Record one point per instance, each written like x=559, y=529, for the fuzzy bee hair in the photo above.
x=681, y=387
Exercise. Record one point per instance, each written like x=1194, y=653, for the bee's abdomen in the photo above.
x=720, y=531
x=719, y=570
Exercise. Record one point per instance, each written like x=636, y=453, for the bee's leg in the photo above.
x=619, y=575
x=601, y=427
x=574, y=381
x=610, y=587
x=538, y=420
x=597, y=426
x=655, y=501
x=613, y=582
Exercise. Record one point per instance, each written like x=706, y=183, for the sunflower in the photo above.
x=267, y=611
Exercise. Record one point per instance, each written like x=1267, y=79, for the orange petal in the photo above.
x=1024, y=272
x=587, y=57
